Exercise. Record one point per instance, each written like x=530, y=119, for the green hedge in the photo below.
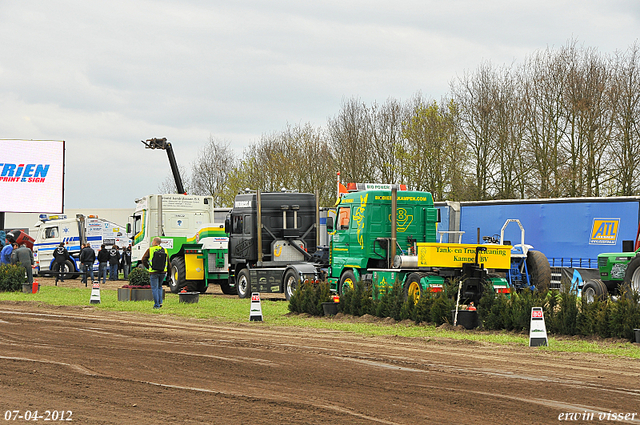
x=11, y=278
x=564, y=312
x=309, y=297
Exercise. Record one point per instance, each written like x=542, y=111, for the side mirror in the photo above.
x=128, y=227
x=227, y=225
x=329, y=224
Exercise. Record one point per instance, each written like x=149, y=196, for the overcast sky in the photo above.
x=104, y=75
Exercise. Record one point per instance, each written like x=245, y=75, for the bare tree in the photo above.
x=211, y=170
x=168, y=185
x=385, y=123
x=625, y=147
x=474, y=95
x=544, y=79
x=350, y=140
x=433, y=148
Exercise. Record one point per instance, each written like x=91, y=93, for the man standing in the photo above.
x=60, y=257
x=5, y=255
x=126, y=261
x=114, y=259
x=103, y=260
x=87, y=258
x=156, y=260
x=24, y=257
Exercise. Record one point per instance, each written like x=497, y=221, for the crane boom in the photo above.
x=165, y=145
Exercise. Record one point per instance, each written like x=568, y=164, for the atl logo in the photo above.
x=604, y=231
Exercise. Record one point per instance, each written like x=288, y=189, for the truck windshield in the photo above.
x=344, y=214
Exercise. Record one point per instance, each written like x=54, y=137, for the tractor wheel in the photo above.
x=412, y=288
x=291, y=282
x=177, y=278
x=594, y=290
x=539, y=270
x=226, y=288
x=243, y=284
x=631, y=283
x=347, y=280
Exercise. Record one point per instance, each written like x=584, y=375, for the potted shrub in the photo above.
x=12, y=278
x=139, y=288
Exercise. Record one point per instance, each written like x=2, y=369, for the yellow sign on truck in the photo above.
x=456, y=254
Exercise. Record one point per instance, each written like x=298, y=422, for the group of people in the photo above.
x=21, y=255
x=108, y=260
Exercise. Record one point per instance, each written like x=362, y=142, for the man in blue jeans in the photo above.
x=87, y=258
x=157, y=263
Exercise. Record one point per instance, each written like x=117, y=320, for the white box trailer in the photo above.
x=51, y=230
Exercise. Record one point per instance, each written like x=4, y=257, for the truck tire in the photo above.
x=202, y=287
x=177, y=277
x=347, y=280
x=631, y=283
x=226, y=288
x=243, y=284
x=539, y=270
x=68, y=270
x=291, y=282
x=594, y=290
x=412, y=288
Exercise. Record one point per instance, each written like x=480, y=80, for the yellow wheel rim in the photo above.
x=348, y=283
x=414, y=292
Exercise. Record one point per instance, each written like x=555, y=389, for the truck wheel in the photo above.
x=412, y=288
x=202, y=287
x=227, y=289
x=539, y=270
x=291, y=281
x=631, y=283
x=177, y=277
x=594, y=290
x=243, y=284
x=71, y=268
x=347, y=280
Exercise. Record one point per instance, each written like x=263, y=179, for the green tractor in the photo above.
x=619, y=274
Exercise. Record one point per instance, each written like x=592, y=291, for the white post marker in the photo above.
x=255, y=314
x=537, y=330
x=95, y=293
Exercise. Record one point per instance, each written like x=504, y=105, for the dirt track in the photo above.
x=116, y=368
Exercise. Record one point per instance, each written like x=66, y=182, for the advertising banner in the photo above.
x=31, y=176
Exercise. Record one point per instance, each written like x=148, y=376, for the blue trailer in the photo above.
x=571, y=232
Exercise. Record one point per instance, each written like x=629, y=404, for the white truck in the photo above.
x=192, y=231
x=53, y=229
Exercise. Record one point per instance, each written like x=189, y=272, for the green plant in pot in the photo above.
x=139, y=278
x=11, y=278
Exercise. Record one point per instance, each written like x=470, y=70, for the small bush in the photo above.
x=11, y=278
x=139, y=276
x=308, y=298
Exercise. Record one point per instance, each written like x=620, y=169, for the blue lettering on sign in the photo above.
x=24, y=170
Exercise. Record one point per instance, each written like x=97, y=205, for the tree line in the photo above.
x=564, y=123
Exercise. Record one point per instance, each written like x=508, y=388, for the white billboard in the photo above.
x=31, y=176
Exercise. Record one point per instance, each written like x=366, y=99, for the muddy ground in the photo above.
x=120, y=368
